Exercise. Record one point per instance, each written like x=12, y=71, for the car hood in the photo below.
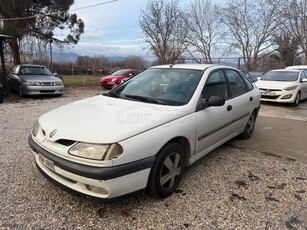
x=39, y=78
x=273, y=84
x=103, y=119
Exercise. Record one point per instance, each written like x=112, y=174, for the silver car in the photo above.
x=30, y=79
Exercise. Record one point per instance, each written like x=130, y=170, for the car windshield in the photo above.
x=34, y=70
x=280, y=76
x=160, y=86
x=119, y=72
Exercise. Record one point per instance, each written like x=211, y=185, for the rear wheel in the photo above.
x=249, y=128
x=167, y=170
x=297, y=98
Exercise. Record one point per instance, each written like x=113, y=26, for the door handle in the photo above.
x=251, y=98
x=229, y=107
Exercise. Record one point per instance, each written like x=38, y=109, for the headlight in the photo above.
x=290, y=88
x=96, y=151
x=58, y=83
x=35, y=129
x=29, y=83
x=114, y=79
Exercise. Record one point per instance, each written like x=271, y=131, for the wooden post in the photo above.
x=4, y=77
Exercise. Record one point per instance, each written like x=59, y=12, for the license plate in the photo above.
x=267, y=93
x=48, y=163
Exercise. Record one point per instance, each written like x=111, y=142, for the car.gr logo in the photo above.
x=53, y=133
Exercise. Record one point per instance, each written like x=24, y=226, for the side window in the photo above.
x=237, y=84
x=216, y=85
x=248, y=83
x=303, y=75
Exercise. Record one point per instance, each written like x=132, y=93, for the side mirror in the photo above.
x=58, y=76
x=213, y=101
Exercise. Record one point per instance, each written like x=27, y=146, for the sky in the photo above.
x=111, y=29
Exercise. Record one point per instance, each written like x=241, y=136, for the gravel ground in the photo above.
x=230, y=188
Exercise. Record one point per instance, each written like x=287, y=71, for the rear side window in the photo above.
x=237, y=84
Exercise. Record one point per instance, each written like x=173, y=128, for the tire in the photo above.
x=297, y=99
x=250, y=126
x=20, y=91
x=167, y=170
x=1, y=98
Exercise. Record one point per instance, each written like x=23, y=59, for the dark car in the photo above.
x=28, y=79
x=249, y=76
x=109, y=82
x=1, y=93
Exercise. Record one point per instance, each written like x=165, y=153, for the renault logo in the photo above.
x=52, y=133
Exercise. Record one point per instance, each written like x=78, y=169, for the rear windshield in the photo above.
x=280, y=76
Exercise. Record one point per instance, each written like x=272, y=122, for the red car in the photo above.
x=109, y=82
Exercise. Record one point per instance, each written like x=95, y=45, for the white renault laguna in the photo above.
x=143, y=133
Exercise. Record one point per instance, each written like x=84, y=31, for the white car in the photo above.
x=299, y=67
x=283, y=86
x=144, y=132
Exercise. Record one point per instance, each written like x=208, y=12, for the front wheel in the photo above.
x=167, y=170
x=249, y=128
x=297, y=98
x=20, y=91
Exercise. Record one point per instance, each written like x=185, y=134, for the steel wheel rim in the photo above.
x=250, y=124
x=170, y=171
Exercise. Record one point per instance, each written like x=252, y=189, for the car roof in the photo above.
x=32, y=65
x=190, y=66
x=285, y=70
x=304, y=67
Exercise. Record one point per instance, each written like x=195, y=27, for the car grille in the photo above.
x=47, y=91
x=47, y=83
x=271, y=90
x=269, y=96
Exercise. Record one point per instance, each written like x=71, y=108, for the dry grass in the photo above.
x=81, y=80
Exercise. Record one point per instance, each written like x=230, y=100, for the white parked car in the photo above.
x=284, y=86
x=144, y=132
x=299, y=67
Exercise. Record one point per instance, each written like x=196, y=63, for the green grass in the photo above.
x=81, y=80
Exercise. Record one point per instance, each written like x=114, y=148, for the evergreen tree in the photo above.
x=39, y=18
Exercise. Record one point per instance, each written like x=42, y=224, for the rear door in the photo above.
x=243, y=99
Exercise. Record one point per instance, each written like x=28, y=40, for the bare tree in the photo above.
x=251, y=26
x=295, y=23
x=162, y=24
x=204, y=30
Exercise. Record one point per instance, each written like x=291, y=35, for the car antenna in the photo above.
x=173, y=64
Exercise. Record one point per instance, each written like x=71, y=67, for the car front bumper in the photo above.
x=279, y=96
x=41, y=90
x=99, y=182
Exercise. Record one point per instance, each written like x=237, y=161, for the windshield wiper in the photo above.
x=112, y=94
x=144, y=99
